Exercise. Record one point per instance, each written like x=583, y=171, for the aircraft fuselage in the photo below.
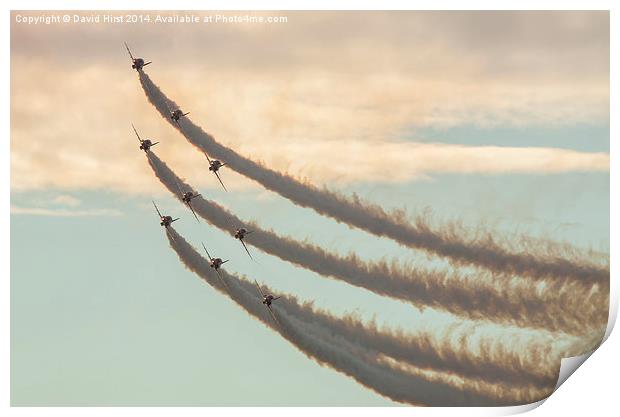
x=177, y=114
x=187, y=197
x=268, y=299
x=138, y=63
x=146, y=145
x=216, y=263
x=215, y=165
x=240, y=233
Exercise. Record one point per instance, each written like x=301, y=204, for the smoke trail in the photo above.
x=358, y=336
x=484, y=251
x=567, y=307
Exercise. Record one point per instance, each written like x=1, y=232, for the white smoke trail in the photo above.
x=564, y=307
x=483, y=251
x=299, y=321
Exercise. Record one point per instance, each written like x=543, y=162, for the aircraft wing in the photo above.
x=134, y=129
x=208, y=159
x=128, y=51
x=218, y=177
x=156, y=209
x=273, y=316
x=246, y=248
x=259, y=289
x=193, y=212
x=275, y=298
x=222, y=279
x=203, y=245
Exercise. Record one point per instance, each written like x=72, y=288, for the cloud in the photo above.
x=42, y=211
x=329, y=134
x=535, y=44
x=349, y=85
x=403, y=161
x=66, y=200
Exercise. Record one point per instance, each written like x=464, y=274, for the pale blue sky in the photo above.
x=104, y=313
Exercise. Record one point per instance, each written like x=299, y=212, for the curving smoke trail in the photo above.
x=298, y=321
x=485, y=251
x=561, y=307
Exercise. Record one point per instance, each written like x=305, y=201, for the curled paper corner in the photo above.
x=613, y=312
x=519, y=409
x=568, y=365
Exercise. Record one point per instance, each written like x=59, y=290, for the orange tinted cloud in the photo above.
x=331, y=100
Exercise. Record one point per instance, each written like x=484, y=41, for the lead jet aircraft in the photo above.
x=136, y=63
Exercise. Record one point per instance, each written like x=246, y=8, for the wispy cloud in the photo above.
x=66, y=200
x=405, y=161
x=43, y=211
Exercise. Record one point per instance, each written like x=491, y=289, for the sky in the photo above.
x=493, y=119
